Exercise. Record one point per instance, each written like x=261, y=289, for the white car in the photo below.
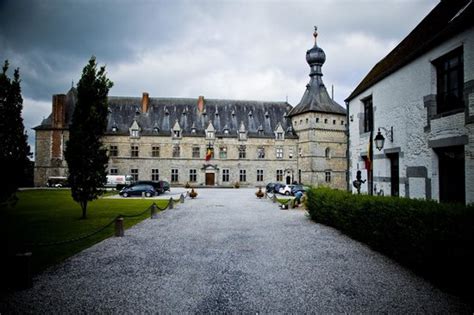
x=285, y=190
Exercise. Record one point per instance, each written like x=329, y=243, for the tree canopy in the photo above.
x=14, y=149
x=85, y=155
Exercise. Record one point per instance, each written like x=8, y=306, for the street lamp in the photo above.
x=379, y=138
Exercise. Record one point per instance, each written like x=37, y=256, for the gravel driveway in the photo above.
x=227, y=251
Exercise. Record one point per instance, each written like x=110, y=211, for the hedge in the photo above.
x=433, y=239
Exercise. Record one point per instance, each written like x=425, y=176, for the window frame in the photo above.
x=192, y=175
x=155, y=174
x=368, y=107
x=113, y=151
x=225, y=175
x=259, y=175
x=243, y=176
x=155, y=151
x=134, y=151
x=174, y=175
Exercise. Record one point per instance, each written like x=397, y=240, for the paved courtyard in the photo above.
x=227, y=251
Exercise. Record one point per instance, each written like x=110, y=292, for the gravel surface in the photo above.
x=227, y=252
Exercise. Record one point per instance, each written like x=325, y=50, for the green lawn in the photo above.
x=43, y=216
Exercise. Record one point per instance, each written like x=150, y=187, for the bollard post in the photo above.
x=274, y=198
x=171, y=206
x=154, y=215
x=181, y=198
x=143, y=195
x=22, y=278
x=119, y=227
x=292, y=204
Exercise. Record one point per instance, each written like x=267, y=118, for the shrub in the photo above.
x=434, y=239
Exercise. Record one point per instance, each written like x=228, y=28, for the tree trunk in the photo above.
x=84, y=209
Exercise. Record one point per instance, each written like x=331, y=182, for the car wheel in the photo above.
x=287, y=193
x=125, y=195
x=147, y=194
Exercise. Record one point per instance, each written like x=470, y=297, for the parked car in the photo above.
x=138, y=190
x=273, y=187
x=285, y=190
x=298, y=187
x=118, y=181
x=160, y=186
x=57, y=181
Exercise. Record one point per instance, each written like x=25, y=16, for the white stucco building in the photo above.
x=421, y=99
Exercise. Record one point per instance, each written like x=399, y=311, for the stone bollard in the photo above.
x=171, y=206
x=154, y=214
x=181, y=198
x=143, y=195
x=22, y=276
x=119, y=227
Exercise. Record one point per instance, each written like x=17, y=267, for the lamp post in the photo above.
x=380, y=139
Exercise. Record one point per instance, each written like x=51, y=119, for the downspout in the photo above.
x=348, y=177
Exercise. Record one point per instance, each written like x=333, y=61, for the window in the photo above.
x=279, y=135
x=242, y=135
x=307, y=120
x=113, y=151
x=450, y=81
x=176, y=150
x=196, y=152
x=342, y=122
x=209, y=134
x=223, y=152
x=243, y=175
x=225, y=175
x=113, y=171
x=155, y=151
x=193, y=175
x=290, y=153
x=328, y=176
x=279, y=176
x=260, y=153
x=368, y=115
x=327, y=153
x=300, y=152
x=325, y=120
x=279, y=153
x=155, y=174
x=317, y=119
x=259, y=175
x=242, y=152
x=135, y=133
x=174, y=175
x=334, y=122
x=134, y=173
x=134, y=151
x=176, y=133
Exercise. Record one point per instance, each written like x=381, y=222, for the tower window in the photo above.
x=368, y=115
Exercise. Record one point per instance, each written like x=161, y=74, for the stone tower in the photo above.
x=320, y=124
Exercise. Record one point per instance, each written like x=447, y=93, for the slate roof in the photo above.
x=260, y=118
x=448, y=18
x=316, y=97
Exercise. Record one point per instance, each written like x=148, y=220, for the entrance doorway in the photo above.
x=210, y=179
x=394, y=175
x=288, y=180
x=452, y=183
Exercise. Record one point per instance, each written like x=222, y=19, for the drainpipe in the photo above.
x=348, y=177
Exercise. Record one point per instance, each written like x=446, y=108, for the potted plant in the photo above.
x=259, y=193
x=193, y=194
x=187, y=185
x=237, y=185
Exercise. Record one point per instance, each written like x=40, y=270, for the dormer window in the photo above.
x=176, y=133
x=210, y=134
x=242, y=135
x=193, y=130
x=279, y=135
x=226, y=131
x=156, y=129
x=279, y=132
x=134, y=130
x=135, y=133
x=114, y=129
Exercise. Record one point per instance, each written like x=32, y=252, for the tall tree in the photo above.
x=85, y=155
x=14, y=149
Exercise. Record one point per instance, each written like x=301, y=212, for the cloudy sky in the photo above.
x=219, y=49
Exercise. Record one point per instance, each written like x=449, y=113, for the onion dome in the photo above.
x=315, y=56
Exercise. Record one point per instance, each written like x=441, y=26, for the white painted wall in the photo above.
x=398, y=102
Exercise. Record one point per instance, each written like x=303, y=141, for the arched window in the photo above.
x=328, y=153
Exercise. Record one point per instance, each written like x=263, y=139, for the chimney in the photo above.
x=200, y=104
x=145, y=102
x=59, y=111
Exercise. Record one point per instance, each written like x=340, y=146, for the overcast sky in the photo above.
x=219, y=49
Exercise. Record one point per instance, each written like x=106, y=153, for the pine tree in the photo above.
x=85, y=155
x=14, y=149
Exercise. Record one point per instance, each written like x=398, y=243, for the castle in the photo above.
x=212, y=142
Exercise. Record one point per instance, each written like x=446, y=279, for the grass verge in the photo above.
x=43, y=216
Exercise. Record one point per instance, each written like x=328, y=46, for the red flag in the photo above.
x=208, y=154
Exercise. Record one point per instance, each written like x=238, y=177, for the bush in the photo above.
x=436, y=240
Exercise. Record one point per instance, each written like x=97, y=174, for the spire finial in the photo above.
x=315, y=34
